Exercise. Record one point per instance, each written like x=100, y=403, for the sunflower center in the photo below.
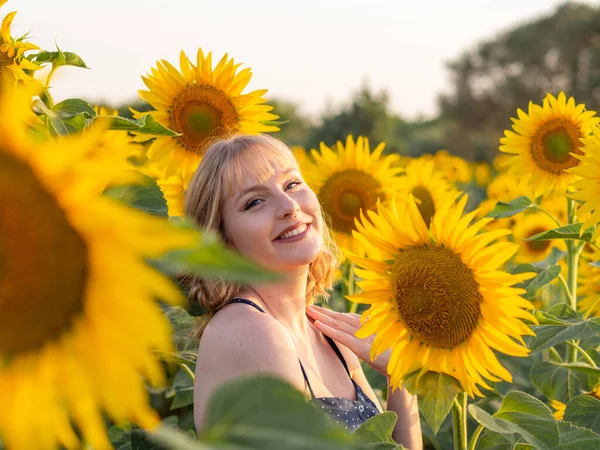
x=202, y=114
x=43, y=262
x=436, y=294
x=424, y=203
x=537, y=246
x=5, y=61
x=553, y=144
x=344, y=194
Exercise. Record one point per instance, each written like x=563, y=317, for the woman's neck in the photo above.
x=285, y=301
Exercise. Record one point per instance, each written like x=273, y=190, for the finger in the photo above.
x=333, y=322
x=358, y=346
x=350, y=318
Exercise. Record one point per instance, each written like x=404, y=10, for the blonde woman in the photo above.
x=249, y=190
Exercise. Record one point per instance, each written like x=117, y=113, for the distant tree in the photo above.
x=560, y=52
x=367, y=114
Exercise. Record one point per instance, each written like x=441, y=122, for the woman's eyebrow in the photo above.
x=261, y=187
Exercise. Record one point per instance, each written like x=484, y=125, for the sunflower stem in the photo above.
x=573, y=252
x=555, y=353
x=549, y=214
x=585, y=354
x=188, y=371
x=565, y=286
x=475, y=437
x=459, y=421
x=351, y=278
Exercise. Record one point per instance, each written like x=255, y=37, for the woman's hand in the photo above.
x=341, y=327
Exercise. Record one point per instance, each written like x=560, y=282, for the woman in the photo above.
x=249, y=190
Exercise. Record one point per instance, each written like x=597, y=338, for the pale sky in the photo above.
x=314, y=52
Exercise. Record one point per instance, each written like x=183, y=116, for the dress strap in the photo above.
x=312, y=394
x=339, y=353
x=247, y=302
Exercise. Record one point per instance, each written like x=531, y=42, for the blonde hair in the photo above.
x=214, y=179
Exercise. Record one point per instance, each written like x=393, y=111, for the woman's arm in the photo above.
x=408, y=428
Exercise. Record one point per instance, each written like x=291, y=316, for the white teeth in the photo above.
x=294, y=232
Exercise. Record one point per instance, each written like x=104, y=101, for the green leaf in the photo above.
x=145, y=196
x=553, y=334
x=575, y=438
x=60, y=58
x=595, y=264
x=264, y=412
x=377, y=429
x=55, y=124
x=72, y=107
x=511, y=208
x=182, y=390
x=556, y=381
x=144, y=125
x=436, y=393
x=559, y=314
x=491, y=440
x=211, y=259
x=564, y=232
x=75, y=124
x=543, y=277
x=522, y=414
x=584, y=411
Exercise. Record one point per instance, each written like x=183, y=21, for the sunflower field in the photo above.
x=481, y=280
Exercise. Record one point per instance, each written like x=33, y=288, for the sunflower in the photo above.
x=350, y=179
x=544, y=143
x=588, y=187
x=454, y=168
x=482, y=173
x=427, y=185
x=202, y=104
x=12, y=59
x=438, y=295
x=528, y=225
x=79, y=321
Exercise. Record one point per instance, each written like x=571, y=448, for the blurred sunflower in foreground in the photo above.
x=546, y=141
x=439, y=297
x=350, y=178
x=202, y=104
x=79, y=321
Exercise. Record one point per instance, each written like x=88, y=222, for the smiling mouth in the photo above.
x=296, y=231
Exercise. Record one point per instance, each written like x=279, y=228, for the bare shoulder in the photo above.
x=241, y=341
x=241, y=336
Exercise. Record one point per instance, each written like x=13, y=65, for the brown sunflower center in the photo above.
x=43, y=262
x=202, y=114
x=537, y=246
x=553, y=144
x=344, y=194
x=436, y=294
x=5, y=61
x=424, y=203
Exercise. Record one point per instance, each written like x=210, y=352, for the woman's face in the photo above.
x=276, y=222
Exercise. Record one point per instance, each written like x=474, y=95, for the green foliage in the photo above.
x=543, y=276
x=522, y=414
x=511, y=208
x=436, y=393
x=144, y=125
x=59, y=58
x=584, y=411
x=560, y=324
x=556, y=381
x=146, y=196
x=572, y=231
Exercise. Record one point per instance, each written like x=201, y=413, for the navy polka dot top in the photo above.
x=346, y=412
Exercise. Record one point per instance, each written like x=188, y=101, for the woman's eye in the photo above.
x=293, y=184
x=252, y=203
